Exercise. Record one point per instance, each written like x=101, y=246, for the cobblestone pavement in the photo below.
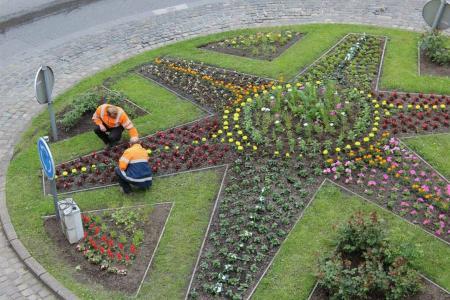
x=90, y=51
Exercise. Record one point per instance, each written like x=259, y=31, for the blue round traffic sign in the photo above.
x=46, y=158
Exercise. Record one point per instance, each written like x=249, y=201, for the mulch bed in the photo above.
x=91, y=273
x=246, y=53
x=429, y=292
x=427, y=67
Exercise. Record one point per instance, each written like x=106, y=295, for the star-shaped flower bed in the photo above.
x=280, y=141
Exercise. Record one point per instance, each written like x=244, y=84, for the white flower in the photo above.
x=272, y=97
x=331, y=124
x=343, y=113
x=305, y=124
x=277, y=122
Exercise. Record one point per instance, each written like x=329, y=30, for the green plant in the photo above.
x=138, y=237
x=433, y=44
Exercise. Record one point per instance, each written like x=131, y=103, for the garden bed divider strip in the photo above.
x=113, y=208
x=405, y=137
x=313, y=290
x=387, y=210
x=380, y=67
x=434, y=283
x=285, y=239
x=320, y=57
x=423, y=160
x=211, y=218
x=154, y=251
x=125, y=99
x=162, y=176
x=176, y=93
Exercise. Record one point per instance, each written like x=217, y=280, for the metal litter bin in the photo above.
x=70, y=217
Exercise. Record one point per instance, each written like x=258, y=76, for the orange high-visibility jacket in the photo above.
x=101, y=117
x=134, y=164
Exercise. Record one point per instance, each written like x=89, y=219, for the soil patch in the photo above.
x=85, y=124
x=279, y=49
x=89, y=272
x=429, y=292
x=427, y=67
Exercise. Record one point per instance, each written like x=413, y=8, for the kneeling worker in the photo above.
x=134, y=168
x=112, y=119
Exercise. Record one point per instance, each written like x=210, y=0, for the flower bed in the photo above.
x=210, y=87
x=261, y=45
x=117, y=245
x=76, y=118
x=354, y=63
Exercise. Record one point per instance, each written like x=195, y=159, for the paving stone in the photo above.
x=83, y=55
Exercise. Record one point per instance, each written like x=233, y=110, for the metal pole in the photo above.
x=439, y=14
x=55, y=197
x=50, y=106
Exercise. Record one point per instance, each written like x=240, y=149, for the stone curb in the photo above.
x=51, y=8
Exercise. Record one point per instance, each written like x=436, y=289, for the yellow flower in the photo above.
x=417, y=106
x=226, y=112
x=287, y=154
x=222, y=140
x=214, y=136
x=383, y=102
x=74, y=171
x=410, y=106
x=337, y=149
x=225, y=116
x=435, y=106
x=374, y=129
x=375, y=124
x=238, y=109
x=238, y=143
x=369, y=95
x=230, y=140
x=276, y=153
x=426, y=106
x=325, y=152
x=391, y=105
x=240, y=148
x=366, y=139
x=225, y=123
x=225, y=127
x=195, y=142
x=318, y=82
x=377, y=118
x=236, y=115
x=149, y=151
x=229, y=133
x=377, y=105
x=374, y=101
x=240, y=132
x=203, y=140
x=357, y=144
x=93, y=166
x=376, y=112
x=255, y=148
x=387, y=113
x=243, y=104
x=442, y=106
x=298, y=84
x=288, y=85
x=65, y=173
x=235, y=119
x=244, y=137
x=83, y=169
x=348, y=147
x=220, y=131
x=236, y=126
x=274, y=88
x=371, y=135
x=249, y=100
x=400, y=106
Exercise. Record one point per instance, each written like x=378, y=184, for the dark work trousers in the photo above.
x=111, y=136
x=126, y=185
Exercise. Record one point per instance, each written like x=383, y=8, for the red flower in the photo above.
x=104, y=238
x=120, y=246
x=102, y=250
x=133, y=249
x=97, y=230
x=85, y=235
x=127, y=257
x=110, y=243
x=119, y=256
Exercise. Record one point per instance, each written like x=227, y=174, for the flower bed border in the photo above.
x=172, y=204
x=211, y=218
x=301, y=216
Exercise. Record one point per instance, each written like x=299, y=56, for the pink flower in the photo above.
x=372, y=183
x=423, y=174
x=413, y=212
x=426, y=221
x=441, y=224
x=403, y=203
x=412, y=172
x=420, y=200
x=438, y=232
x=441, y=216
x=425, y=188
x=448, y=189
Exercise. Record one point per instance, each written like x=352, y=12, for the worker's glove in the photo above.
x=102, y=127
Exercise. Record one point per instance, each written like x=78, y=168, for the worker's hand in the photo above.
x=102, y=127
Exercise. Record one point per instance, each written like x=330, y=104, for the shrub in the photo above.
x=365, y=265
x=433, y=44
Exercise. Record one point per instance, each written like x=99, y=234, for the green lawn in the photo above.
x=435, y=149
x=192, y=193
x=292, y=273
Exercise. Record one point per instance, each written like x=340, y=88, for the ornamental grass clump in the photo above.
x=365, y=265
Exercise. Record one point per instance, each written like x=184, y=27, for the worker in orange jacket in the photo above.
x=111, y=120
x=134, y=168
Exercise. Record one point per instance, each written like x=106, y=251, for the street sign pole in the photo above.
x=439, y=15
x=55, y=196
x=48, y=89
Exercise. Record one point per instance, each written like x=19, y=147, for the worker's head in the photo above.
x=134, y=140
x=112, y=111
